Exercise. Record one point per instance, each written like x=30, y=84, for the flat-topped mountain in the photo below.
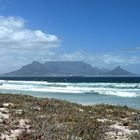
x=64, y=68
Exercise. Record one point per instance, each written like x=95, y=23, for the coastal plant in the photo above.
x=51, y=119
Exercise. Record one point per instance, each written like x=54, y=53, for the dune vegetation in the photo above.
x=24, y=117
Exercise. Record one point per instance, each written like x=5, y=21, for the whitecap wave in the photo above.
x=113, y=89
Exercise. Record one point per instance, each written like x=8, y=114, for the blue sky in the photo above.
x=104, y=33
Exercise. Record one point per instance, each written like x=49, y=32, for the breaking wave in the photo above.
x=112, y=89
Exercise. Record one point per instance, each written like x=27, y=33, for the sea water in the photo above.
x=82, y=90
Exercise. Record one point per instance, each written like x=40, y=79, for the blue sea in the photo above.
x=82, y=90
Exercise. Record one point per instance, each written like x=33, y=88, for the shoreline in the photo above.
x=25, y=117
x=87, y=92
x=83, y=99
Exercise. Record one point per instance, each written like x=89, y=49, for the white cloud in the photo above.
x=12, y=22
x=14, y=35
x=20, y=45
x=133, y=49
x=107, y=60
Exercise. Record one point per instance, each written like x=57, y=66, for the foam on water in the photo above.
x=23, y=82
x=114, y=89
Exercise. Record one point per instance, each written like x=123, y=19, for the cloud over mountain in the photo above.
x=20, y=45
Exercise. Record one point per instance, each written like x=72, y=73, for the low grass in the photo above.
x=52, y=119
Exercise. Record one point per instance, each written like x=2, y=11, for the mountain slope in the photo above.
x=64, y=68
x=56, y=68
x=118, y=71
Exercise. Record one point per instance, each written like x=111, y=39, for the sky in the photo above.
x=103, y=33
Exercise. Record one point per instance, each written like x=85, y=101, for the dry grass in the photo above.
x=52, y=119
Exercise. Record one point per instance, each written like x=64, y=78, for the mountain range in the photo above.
x=65, y=68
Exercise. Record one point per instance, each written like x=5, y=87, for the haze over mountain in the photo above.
x=65, y=68
x=119, y=71
x=104, y=34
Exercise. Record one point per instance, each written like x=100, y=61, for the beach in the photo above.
x=86, y=91
x=69, y=70
x=25, y=117
x=70, y=109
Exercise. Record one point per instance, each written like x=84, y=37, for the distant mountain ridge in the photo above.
x=119, y=71
x=65, y=68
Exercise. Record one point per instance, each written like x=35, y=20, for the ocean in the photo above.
x=83, y=90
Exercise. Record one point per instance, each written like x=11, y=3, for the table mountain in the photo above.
x=64, y=68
